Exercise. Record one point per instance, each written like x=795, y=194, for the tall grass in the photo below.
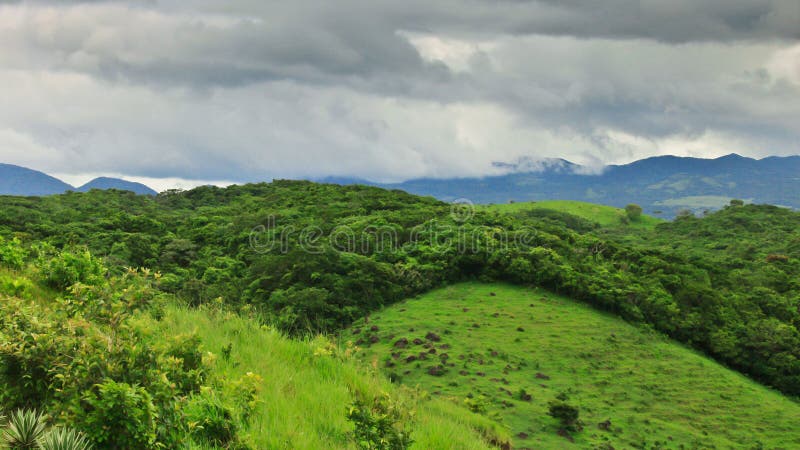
x=308, y=385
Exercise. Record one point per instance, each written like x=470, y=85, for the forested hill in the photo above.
x=315, y=257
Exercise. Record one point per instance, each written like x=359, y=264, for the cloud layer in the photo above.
x=251, y=90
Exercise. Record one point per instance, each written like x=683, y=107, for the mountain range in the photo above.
x=662, y=185
x=16, y=180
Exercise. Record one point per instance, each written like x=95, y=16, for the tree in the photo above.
x=633, y=211
x=737, y=202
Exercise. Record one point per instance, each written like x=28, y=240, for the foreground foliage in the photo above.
x=118, y=364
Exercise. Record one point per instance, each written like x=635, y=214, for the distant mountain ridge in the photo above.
x=116, y=183
x=17, y=180
x=662, y=185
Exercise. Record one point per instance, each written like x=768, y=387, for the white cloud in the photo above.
x=177, y=93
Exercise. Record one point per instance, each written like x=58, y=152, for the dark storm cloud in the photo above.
x=238, y=42
x=242, y=90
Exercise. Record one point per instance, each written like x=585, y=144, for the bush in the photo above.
x=12, y=254
x=633, y=212
x=119, y=416
x=210, y=421
x=566, y=414
x=476, y=404
x=378, y=425
x=15, y=286
x=246, y=392
x=69, y=267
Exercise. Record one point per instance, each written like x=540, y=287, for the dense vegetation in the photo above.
x=309, y=257
x=112, y=362
x=511, y=351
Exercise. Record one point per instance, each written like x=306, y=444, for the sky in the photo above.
x=181, y=93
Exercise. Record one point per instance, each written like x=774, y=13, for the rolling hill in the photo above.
x=508, y=351
x=221, y=329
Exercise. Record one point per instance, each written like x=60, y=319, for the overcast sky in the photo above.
x=177, y=93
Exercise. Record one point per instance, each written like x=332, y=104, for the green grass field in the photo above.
x=499, y=339
x=606, y=216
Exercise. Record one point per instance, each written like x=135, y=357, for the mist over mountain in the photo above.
x=16, y=180
x=662, y=185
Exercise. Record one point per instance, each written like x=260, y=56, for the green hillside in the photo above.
x=307, y=386
x=214, y=343
x=497, y=340
x=218, y=379
x=606, y=216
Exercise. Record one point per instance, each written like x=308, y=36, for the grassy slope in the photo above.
x=306, y=389
x=306, y=392
x=652, y=390
x=606, y=216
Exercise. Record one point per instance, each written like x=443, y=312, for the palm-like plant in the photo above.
x=64, y=439
x=24, y=428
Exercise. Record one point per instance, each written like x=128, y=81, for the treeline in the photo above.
x=725, y=284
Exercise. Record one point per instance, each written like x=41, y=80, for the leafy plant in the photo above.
x=68, y=267
x=62, y=438
x=24, y=429
x=12, y=253
x=15, y=286
x=476, y=404
x=119, y=416
x=210, y=420
x=378, y=425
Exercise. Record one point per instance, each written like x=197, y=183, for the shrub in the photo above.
x=565, y=413
x=71, y=266
x=633, y=212
x=12, y=254
x=246, y=395
x=186, y=370
x=29, y=349
x=210, y=421
x=15, y=286
x=119, y=416
x=378, y=425
x=476, y=404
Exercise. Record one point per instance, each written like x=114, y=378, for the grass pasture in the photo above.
x=490, y=341
x=606, y=216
